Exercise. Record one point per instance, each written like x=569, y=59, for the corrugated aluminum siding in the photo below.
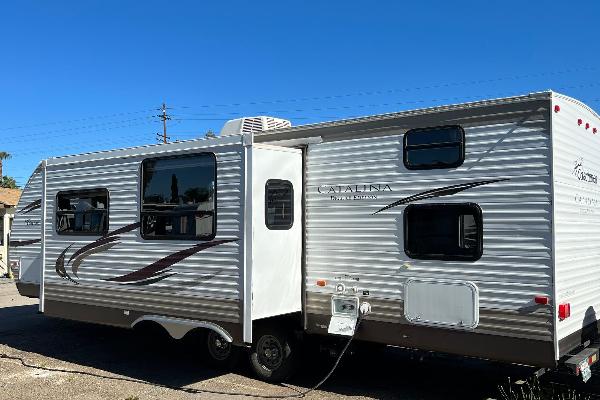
x=206, y=285
x=577, y=213
x=27, y=227
x=346, y=242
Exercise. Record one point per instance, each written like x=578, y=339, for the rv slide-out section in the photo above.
x=165, y=233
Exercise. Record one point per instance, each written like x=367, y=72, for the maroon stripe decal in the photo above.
x=150, y=281
x=34, y=205
x=109, y=237
x=445, y=191
x=60, y=266
x=79, y=260
x=159, y=266
x=20, y=243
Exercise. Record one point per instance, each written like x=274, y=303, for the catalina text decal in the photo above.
x=353, y=192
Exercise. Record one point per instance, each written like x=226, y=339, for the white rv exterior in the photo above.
x=522, y=284
x=25, y=251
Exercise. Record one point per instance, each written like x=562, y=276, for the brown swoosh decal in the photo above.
x=60, y=266
x=201, y=279
x=445, y=191
x=20, y=243
x=159, y=266
x=150, y=281
x=109, y=237
x=79, y=260
x=34, y=205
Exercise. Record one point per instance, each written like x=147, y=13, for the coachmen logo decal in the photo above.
x=583, y=174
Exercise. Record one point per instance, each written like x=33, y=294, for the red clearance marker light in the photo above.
x=556, y=108
x=579, y=121
x=321, y=282
x=542, y=300
x=587, y=126
x=564, y=311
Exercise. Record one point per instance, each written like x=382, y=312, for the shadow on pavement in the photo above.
x=149, y=355
x=156, y=358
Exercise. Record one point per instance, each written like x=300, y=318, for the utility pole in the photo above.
x=164, y=117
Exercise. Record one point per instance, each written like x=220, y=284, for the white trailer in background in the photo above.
x=470, y=229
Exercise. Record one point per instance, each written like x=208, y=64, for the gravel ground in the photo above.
x=115, y=364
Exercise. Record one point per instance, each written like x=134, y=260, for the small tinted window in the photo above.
x=279, y=204
x=179, y=199
x=439, y=147
x=82, y=212
x=443, y=231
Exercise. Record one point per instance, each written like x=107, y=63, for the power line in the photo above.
x=82, y=129
x=80, y=146
x=329, y=97
x=397, y=90
x=129, y=136
x=77, y=120
x=421, y=101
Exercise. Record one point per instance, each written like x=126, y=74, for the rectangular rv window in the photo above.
x=443, y=231
x=438, y=147
x=82, y=212
x=179, y=198
x=279, y=204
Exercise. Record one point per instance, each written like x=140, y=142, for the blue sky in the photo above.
x=88, y=75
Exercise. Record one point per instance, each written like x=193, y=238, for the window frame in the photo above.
x=456, y=164
x=475, y=211
x=279, y=227
x=82, y=192
x=141, y=202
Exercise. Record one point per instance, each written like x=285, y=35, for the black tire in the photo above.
x=221, y=354
x=274, y=354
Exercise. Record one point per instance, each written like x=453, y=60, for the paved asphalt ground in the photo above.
x=119, y=364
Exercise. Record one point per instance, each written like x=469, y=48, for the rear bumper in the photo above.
x=29, y=289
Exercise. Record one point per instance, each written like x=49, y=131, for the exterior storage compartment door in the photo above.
x=442, y=303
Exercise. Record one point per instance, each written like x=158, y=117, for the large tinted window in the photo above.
x=279, y=204
x=179, y=197
x=439, y=147
x=82, y=212
x=443, y=231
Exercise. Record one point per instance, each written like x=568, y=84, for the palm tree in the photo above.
x=3, y=156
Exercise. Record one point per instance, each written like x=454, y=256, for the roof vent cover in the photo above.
x=253, y=125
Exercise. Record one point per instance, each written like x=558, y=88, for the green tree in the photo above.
x=8, y=182
x=210, y=134
x=3, y=156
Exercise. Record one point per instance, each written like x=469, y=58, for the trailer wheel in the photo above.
x=273, y=356
x=222, y=353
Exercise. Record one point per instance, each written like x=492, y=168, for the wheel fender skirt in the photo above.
x=178, y=327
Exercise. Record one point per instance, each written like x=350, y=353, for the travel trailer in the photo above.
x=469, y=229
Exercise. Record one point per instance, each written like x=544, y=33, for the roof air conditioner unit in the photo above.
x=253, y=125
